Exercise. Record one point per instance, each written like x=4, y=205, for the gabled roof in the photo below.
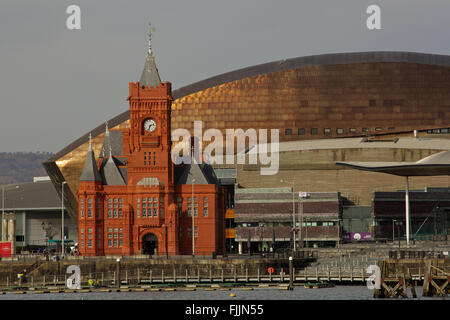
x=112, y=142
x=202, y=173
x=111, y=173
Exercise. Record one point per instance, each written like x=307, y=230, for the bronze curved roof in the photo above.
x=275, y=66
x=283, y=66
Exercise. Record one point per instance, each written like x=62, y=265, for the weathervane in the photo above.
x=150, y=30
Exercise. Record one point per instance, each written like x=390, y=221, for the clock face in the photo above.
x=149, y=125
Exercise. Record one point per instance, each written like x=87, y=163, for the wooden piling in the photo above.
x=426, y=279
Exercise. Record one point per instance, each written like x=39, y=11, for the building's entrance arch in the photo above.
x=150, y=244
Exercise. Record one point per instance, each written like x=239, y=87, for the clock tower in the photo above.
x=131, y=201
x=149, y=141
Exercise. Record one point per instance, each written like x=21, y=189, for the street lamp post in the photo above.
x=301, y=221
x=62, y=219
x=293, y=214
x=407, y=210
x=393, y=230
x=193, y=228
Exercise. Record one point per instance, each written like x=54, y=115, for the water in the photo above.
x=299, y=293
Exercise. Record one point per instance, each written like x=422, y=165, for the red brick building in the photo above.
x=132, y=199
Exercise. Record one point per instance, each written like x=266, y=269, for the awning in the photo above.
x=59, y=241
x=437, y=164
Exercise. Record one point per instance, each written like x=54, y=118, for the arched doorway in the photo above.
x=149, y=244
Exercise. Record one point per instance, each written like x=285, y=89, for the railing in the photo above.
x=139, y=277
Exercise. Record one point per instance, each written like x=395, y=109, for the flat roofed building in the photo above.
x=36, y=209
x=265, y=215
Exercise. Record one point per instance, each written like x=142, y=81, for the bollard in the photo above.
x=291, y=273
x=118, y=273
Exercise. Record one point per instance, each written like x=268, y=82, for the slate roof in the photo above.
x=202, y=173
x=150, y=76
x=112, y=142
x=111, y=174
x=90, y=171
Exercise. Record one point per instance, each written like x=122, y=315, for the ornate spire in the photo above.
x=106, y=140
x=90, y=142
x=150, y=76
x=90, y=171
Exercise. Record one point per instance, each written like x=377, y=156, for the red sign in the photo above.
x=270, y=270
x=5, y=249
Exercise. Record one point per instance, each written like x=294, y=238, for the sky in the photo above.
x=57, y=84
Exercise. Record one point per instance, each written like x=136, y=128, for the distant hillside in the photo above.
x=16, y=167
